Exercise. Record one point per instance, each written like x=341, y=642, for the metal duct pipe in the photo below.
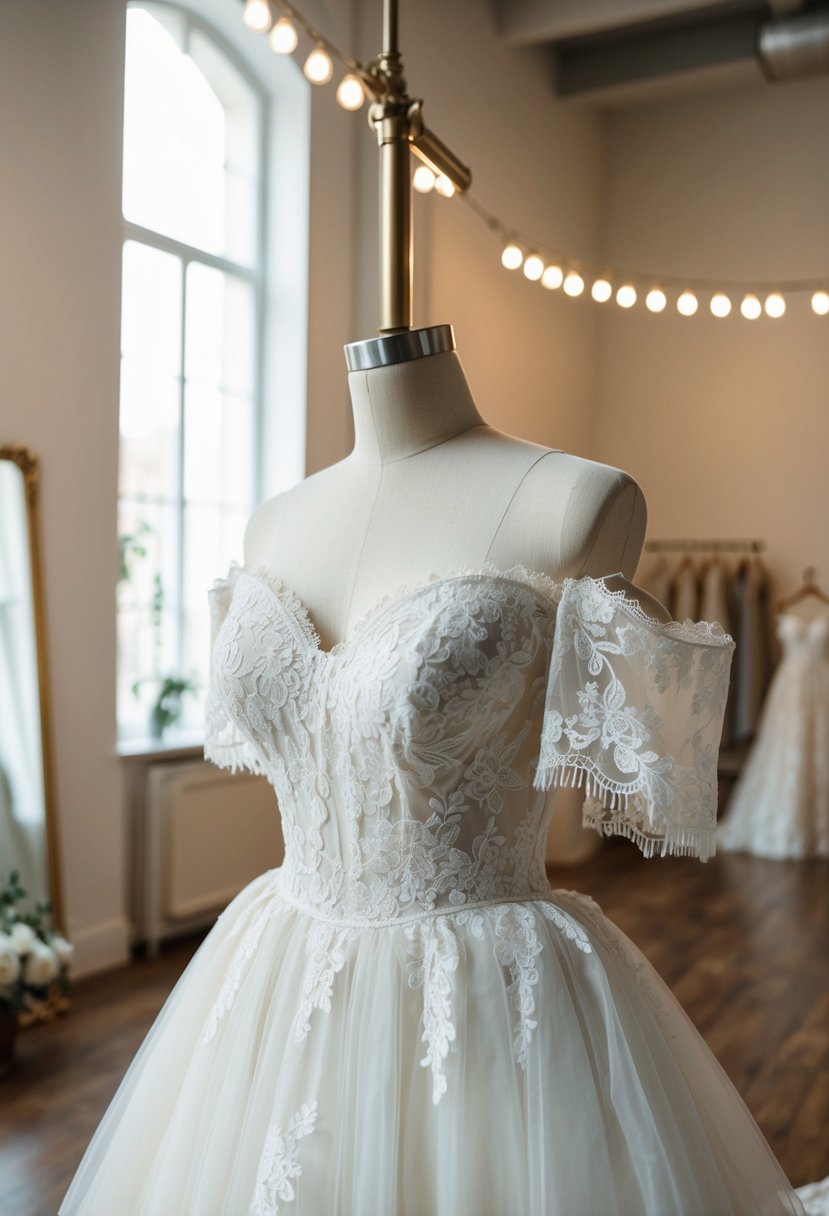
x=795, y=47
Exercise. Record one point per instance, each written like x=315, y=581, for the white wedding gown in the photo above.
x=404, y=1019
x=780, y=805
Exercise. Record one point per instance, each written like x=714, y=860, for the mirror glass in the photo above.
x=23, y=830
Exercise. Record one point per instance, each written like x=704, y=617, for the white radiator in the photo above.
x=203, y=835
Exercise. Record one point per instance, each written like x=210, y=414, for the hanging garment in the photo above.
x=685, y=592
x=714, y=606
x=658, y=581
x=752, y=666
x=780, y=804
x=405, y=1019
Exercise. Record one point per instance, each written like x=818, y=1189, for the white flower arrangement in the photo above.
x=33, y=957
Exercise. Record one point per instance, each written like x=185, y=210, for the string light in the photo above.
x=444, y=185
x=257, y=15
x=357, y=83
x=512, y=257
x=350, y=92
x=318, y=66
x=573, y=284
x=720, y=304
x=283, y=37
x=751, y=308
x=423, y=179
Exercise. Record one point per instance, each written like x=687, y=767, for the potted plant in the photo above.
x=34, y=965
x=166, y=709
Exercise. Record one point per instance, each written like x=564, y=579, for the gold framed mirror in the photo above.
x=28, y=813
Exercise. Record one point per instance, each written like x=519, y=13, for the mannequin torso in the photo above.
x=430, y=488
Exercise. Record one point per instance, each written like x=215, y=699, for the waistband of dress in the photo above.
x=424, y=914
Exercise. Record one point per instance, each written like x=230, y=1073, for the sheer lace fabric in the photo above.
x=404, y=1017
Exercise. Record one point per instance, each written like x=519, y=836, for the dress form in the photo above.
x=429, y=488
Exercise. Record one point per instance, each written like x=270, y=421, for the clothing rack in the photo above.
x=705, y=546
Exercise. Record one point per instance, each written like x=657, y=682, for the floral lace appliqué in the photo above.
x=253, y=923
x=279, y=1163
x=433, y=957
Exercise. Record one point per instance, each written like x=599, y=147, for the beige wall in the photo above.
x=725, y=423
x=61, y=86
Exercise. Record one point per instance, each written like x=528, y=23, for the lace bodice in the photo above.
x=412, y=762
x=803, y=639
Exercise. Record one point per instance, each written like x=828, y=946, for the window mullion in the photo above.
x=178, y=620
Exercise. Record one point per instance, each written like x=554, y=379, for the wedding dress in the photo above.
x=404, y=1019
x=780, y=805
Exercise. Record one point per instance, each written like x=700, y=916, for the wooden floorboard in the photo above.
x=743, y=943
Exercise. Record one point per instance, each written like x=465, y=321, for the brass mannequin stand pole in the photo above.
x=397, y=121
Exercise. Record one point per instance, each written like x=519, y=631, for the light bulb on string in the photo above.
x=444, y=185
x=512, y=257
x=318, y=67
x=626, y=296
x=820, y=303
x=751, y=307
x=601, y=291
x=350, y=92
x=423, y=179
x=533, y=268
x=687, y=304
x=257, y=15
x=283, y=37
x=573, y=284
x=775, y=305
x=656, y=300
x=552, y=278
x=720, y=304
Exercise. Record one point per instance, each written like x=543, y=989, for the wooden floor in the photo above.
x=743, y=943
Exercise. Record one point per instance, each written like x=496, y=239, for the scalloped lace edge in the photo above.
x=548, y=588
x=665, y=838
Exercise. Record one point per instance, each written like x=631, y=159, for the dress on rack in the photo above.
x=780, y=805
x=405, y=1019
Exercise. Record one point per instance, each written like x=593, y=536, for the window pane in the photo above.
x=191, y=124
x=150, y=371
x=219, y=343
x=212, y=536
x=146, y=607
x=242, y=134
x=218, y=448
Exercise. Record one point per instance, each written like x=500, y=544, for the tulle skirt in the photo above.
x=601, y=1099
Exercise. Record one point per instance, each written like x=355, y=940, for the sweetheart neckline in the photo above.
x=536, y=582
x=289, y=601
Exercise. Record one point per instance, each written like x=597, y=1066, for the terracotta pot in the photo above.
x=8, y=1034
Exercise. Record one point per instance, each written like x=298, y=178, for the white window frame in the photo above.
x=254, y=274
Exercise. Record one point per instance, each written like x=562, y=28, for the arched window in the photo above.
x=192, y=302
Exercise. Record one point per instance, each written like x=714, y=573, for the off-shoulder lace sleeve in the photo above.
x=224, y=744
x=634, y=712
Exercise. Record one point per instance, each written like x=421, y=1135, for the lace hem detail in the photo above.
x=614, y=809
